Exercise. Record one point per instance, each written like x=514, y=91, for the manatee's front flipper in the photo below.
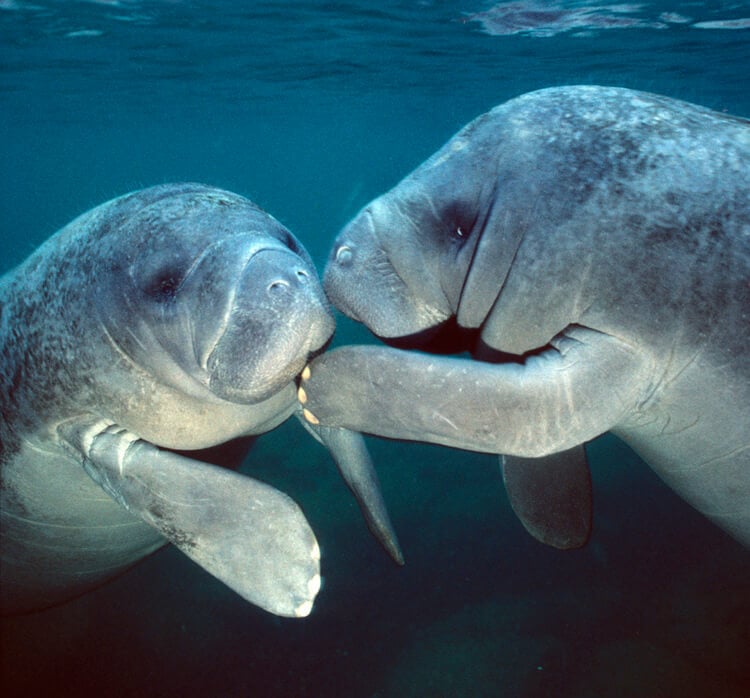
x=586, y=383
x=252, y=537
x=551, y=496
x=349, y=451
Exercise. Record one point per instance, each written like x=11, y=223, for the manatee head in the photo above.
x=401, y=264
x=207, y=292
x=440, y=244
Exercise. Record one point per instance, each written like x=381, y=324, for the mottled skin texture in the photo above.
x=176, y=317
x=600, y=235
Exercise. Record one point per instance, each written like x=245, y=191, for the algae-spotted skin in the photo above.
x=602, y=237
x=176, y=317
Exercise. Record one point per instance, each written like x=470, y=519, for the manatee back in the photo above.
x=636, y=215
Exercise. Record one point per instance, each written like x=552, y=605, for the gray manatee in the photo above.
x=592, y=246
x=173, y=318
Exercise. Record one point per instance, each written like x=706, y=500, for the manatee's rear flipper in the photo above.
x=252, y=537
x=552, y=496
x=349, y=451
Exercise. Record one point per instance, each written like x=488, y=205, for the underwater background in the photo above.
x=311, y=109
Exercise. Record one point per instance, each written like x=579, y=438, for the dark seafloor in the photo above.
x=311, y=109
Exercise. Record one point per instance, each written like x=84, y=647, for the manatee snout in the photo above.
x=359, y=270
x=278, y=318
x=280, y=291
x=342, y=266
x=373, y=277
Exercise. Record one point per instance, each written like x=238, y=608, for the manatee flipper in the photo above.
x=580, y=387
x=349, y=452
x=249, y=535
x=551, y=496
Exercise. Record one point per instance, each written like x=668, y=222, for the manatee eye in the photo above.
x=163, y=287
x=461, y=229
x=459, y=233
x=460, y=220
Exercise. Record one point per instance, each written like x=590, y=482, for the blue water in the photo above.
x=311, y=109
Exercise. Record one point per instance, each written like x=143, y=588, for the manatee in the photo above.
x=167, y=320
x=590, y=247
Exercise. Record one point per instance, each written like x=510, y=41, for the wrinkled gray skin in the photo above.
x=600, y=234
x=176, y=317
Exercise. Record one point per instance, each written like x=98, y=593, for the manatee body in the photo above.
x=592, y=246
x=176, y=317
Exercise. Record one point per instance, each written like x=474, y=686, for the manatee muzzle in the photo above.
x=362, y=282
x=277, y=316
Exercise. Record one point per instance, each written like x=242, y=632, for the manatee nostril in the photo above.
x=277, y=286
x=344, y=255
x=287, y=279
